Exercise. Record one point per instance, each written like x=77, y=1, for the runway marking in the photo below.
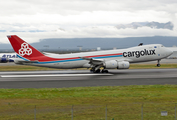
x=53, y=75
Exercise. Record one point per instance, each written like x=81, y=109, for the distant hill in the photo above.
x=93, y=43
x=73, y=43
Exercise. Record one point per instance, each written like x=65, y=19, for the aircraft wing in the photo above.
x=94, y=61
x=101, y=61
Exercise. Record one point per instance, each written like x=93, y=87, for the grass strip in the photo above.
x=123, y=102
x=151, y=66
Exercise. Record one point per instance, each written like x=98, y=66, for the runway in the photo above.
x=83, y=78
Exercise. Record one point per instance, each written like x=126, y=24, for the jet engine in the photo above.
x=112, y=64
x=123, y=65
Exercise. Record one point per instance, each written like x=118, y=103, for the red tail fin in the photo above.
x=23, y=48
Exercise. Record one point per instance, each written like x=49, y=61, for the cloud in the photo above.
x=53, y=21
x=89, y=32
x=38, y=19
x=67, y=7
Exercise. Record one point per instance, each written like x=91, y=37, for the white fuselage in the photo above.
x=132, y=55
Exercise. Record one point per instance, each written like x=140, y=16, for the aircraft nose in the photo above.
x=169, y=52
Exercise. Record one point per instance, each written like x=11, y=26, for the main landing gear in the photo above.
x=158, y=63
x=104, y=71
x=95, y=71
x=98, y=70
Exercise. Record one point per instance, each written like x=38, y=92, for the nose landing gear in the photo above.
x=158, y=63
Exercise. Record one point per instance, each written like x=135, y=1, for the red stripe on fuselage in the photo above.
x=46, y=58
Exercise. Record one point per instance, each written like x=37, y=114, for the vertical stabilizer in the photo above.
x=22, y=48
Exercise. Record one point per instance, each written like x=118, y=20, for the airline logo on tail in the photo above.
x=25, y=50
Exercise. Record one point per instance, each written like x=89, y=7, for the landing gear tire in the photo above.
x=97, y=71
x=158, y=65
x=104, y=71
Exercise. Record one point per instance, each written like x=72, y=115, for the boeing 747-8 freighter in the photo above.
x=108, y=59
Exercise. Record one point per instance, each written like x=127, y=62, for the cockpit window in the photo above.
x=162, y=46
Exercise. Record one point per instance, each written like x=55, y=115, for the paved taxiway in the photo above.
x=82, y=78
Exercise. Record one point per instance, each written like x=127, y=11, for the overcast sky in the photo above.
x=33, y=20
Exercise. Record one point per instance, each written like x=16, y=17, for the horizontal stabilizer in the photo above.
x=23, y=62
